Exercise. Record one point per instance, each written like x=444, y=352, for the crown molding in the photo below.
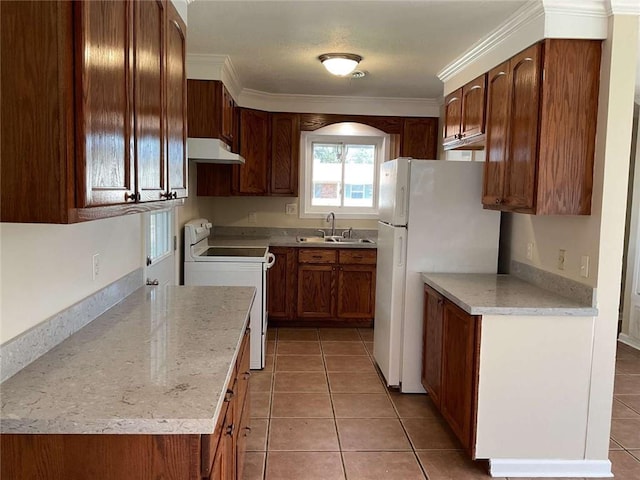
x=623, y=7
x=275, y=102
x=525, y=15
x=584, y=8
x=214, y=67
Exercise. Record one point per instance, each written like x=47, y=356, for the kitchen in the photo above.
x=119, y=240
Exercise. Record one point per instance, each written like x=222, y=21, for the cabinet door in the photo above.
x=224, y=461
x=315, y=291
x=522, y=151
x=452, y=116
x=498, y=89
x=285, y=156
x=473, y=102
x=176, y=104
x=149, y=94
x=104, y=116
x=460, y=350
x=252, y=177
x=228, y=116
x=356, y=288
x=419, y=138
x=281, y=284
x=432, y=344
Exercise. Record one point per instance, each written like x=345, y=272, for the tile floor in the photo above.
x=320, y=411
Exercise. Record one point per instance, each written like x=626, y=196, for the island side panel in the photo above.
x=533, y=393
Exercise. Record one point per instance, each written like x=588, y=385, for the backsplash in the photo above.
x=225, y=231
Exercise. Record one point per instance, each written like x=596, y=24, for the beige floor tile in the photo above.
x=362, y=405
x=300, y=405
x=254, y=466
x=366, y=334
x=430, y=433
x=260, y=404
x=272, y=333
x=304, y=466
x=269, y=362
x=301, y=382
x=627, y=385
x=303, y=434
x=620, y=410
x=362, y=434
x=349, y=363
x=628, y=365
x=299, y=363
x=343, y=348
x=369, y=347
x=355, y=383
x=624, y=465
x=382, y=465
x=298, y=334
x=271, y=347
x=257, y=439
x=635, y=453
x=260, y=381
x=631, y=401
x=339, y=335
x=414, y=405
x=286, y=347
x=451, y=465
x=626, y=432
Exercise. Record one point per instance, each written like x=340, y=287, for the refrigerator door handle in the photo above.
x=400, y=251
x=402, y=200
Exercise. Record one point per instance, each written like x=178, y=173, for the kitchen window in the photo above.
x=340, y=175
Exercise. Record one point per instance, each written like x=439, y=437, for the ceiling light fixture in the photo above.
x=340, y=64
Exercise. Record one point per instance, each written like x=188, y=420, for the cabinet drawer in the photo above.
x=318, y=255
x=358, y=256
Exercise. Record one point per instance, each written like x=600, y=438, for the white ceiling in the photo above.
x=274, y=45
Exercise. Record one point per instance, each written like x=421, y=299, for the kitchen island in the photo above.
x=142, y=391
x=508, y=364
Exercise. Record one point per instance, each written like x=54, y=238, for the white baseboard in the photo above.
x=549, y=468
x=631, y=341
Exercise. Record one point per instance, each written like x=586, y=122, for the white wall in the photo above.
x=47, y=268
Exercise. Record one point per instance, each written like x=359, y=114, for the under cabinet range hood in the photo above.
x=211, y=150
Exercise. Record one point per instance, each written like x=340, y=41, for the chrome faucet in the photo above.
x=332, y=218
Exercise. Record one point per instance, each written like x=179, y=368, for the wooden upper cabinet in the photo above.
x=472, y=122
x=228, y=116
x=464, y=112
x=452, y=117
x=211, y=111
x=149, y=95
x=253, y=177
x=285, y=153
x=419, y=138
x=104, y=116
x=176, y=104
x=498, y=126
x=89, y=121
x=541, y=129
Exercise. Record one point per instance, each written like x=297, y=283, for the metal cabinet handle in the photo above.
x=133, y=196
x=247, y=375
x=229, y=396
x=230, y=429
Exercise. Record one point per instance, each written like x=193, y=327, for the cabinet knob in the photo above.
x=229, y=396
x=498, y=201
x=230, y=429
x=133, y=196
x=174, y=195
x=166, y=195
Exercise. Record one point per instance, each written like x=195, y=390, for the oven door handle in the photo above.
x=271, y=260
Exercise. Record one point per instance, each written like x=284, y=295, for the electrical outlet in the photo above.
x=530, y=251
x=252, y=218
x=291, y=209
x=584, y=266
x=96, y=265
x=561, y=255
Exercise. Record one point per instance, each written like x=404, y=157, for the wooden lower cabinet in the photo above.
x=451, y=353
x=218, y=455
x=322, y=286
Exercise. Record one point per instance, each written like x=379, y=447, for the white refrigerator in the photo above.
x=431, y=220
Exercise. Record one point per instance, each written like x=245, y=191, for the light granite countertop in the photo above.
x=490, y=294
x=278, y=241
x=156, y=363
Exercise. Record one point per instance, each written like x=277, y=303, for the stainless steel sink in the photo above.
x=334, y=239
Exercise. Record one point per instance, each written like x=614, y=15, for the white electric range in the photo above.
x=230, y=266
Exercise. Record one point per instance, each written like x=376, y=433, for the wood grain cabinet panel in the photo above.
x=285, y=153
x=452, y=117
x=432, y=344
x=464, y=113
x=252, y=178
x=541, y=129
x=176, y=104
x=91, y=130
x=316, y=297
x=419, y=138
x=282, y=284
x=356, y=285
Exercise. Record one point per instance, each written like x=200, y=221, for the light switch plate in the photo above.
x=291, y=209
x=252, y=217
x=584, y=266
